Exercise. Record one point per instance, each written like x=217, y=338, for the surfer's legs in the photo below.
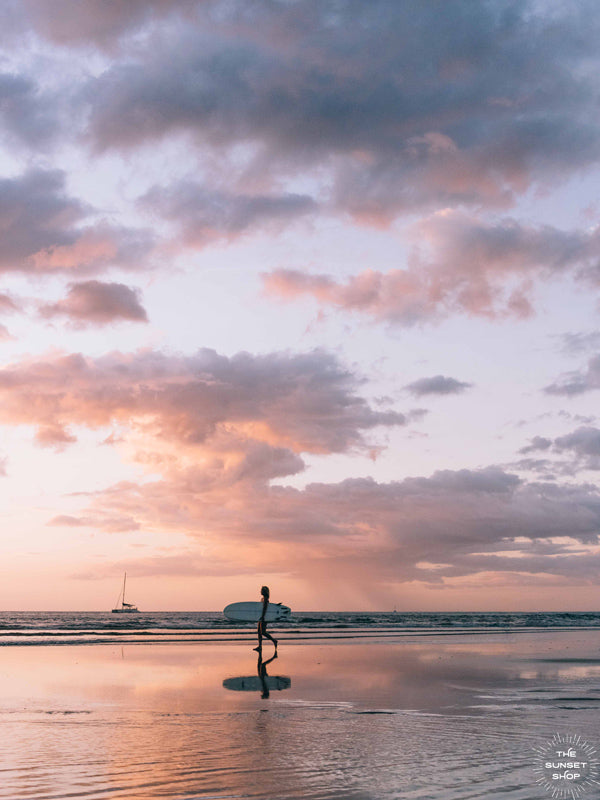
x=262, y=631
x=267, y=635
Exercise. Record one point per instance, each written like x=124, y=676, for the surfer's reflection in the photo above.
x=262, y=673
x=261, y=682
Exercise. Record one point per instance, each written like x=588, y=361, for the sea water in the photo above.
x=65, y=627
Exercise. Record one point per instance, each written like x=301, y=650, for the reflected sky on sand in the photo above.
x=413, y=719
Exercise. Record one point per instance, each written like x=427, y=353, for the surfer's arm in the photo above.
x=264, y=610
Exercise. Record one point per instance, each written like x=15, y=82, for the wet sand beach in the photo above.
x=441, y=717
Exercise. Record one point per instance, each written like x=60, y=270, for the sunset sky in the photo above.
x=300, y=293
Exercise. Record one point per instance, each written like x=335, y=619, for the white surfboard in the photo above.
x=251, y=612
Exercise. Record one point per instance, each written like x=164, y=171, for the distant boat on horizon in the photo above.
x=124, y=608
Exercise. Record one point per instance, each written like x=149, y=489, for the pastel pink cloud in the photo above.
x=97, y=303
x=458, y=265
x=448, y=526
x=307, y=402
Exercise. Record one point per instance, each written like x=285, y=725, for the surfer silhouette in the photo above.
x=262, y=623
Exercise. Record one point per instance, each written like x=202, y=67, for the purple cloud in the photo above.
x=575, y=383
x=438, y=384
x=97, y=303
x=47, y=231
x=500, y=98
x=459, y=264
x=203, y=214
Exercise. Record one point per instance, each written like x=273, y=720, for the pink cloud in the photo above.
x=55, y=436
x=222, y=433
x=459, y=264
x=305, y=403
x=97, y=303
x=107, y=522
x=432, y=530
x=8, y=305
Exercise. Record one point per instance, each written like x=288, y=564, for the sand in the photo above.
x=437, y=717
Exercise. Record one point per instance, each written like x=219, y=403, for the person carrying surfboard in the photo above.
x=262, y=623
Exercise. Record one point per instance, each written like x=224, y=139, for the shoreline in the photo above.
x=164, y=636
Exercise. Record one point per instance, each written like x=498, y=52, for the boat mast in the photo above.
x=123, y=603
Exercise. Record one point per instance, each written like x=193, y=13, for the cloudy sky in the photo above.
x=300, y=293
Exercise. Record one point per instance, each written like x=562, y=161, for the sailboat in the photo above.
x=124, y=608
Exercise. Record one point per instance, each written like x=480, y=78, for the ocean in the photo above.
x=77, y=627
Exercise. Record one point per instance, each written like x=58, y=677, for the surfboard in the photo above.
x=252, y=683
x=251, y=612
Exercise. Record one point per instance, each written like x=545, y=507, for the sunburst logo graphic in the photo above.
x=567, y=767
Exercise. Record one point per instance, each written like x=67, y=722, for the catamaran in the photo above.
x=124, y=608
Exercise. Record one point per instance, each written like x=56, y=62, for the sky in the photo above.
x=303, y=294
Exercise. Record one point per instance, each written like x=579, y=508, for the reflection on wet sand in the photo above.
x=416, y=719
x=261, y=682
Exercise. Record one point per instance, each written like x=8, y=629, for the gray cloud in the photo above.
x=45, y=230
x=97, y=303
x=36, y=214
x=27, y=116
x=582, y=446
x=72, y=23
x=574, y=383
x=537, y=443
x=575, y=343
x=543, y=467
x=204, y=214
x=438, y=384
x=500, y=96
